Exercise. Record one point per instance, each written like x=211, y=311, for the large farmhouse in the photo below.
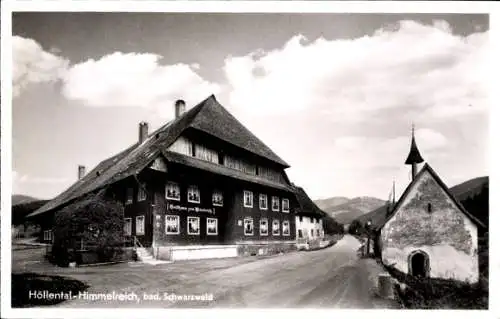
x=428, y=232
x=200, y=186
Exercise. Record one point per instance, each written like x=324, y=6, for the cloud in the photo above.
x=364, y=165
x=28, y=179
x=376, y=152
x=40, y=180
x=115, y=80
x=134, y=80
x=32, y=64
x=404, y=66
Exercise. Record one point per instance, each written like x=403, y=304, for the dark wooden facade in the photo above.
x=230, y=216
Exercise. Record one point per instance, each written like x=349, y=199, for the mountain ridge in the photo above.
x=345, y=209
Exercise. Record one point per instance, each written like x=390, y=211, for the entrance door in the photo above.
x=419, y=264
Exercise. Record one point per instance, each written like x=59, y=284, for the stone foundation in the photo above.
x=196, y=252
x=264, y=249
x=174, y=253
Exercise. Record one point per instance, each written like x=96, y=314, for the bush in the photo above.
x=433, y=293
x=97, y=221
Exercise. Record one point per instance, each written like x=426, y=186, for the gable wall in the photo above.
x=446, y=234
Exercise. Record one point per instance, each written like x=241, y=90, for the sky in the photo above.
x=334, y=95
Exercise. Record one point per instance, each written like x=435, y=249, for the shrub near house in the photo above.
x=88, y=230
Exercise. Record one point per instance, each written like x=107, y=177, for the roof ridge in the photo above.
x=252, y=143
x=145, y=151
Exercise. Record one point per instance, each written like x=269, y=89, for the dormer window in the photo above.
x=194, y=194
x=172, y=191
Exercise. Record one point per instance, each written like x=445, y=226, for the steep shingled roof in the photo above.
x=440, y=182
x=307, y=206
x=208, y=116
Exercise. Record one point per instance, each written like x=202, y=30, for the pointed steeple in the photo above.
x=414, y=158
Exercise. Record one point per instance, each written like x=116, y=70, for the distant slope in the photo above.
x=472, y=194
x=349, y=209
x=22, y=205
x=331, y=202
x=21, y=199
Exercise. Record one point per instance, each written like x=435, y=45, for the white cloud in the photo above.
x=135, y=80
x=364, y=165
x=368, y=153
x=28, y=179
x=115, y=80
x=409, y=65
x=32, y=64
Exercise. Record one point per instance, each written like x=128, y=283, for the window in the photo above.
x=429, y=208
x=171, y=225
x=275, y=204
x=285, y=205
x=300, y=218
x=247, y=199
x=130, y=196
x=172, y=191
x=286, y=228
x=139, y=225
x=193, y=194
x=317, y=232
x=240, y=165
x=47, y=235
x=300, y=233
x=127, y=227
x=248, y=225
x=211, y=226
x=312, y=232
x=276, y=227
x=193, y=225
x=141, y=194
x=264, y=227
x=183, y=146
x=270, y=174
x=263, y=201
x=206, y=154
x=217, y=198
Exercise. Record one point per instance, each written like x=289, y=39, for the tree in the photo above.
x=96, y=221
x=356, y=228
x=478, y=204
x=331, y=226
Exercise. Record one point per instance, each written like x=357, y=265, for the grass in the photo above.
x=23, y=284
x=432, y=293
